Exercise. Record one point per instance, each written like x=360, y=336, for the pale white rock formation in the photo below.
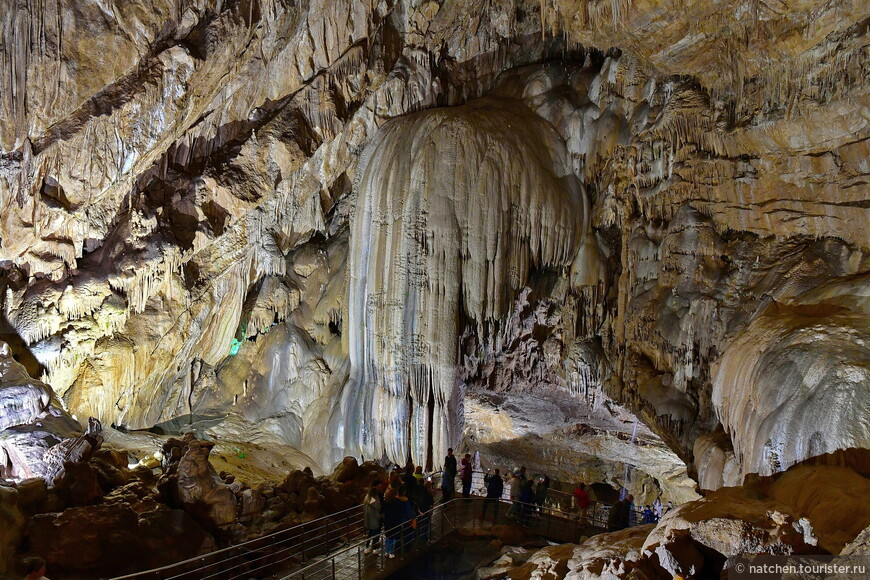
x=22, y=399
x=605, y=555
x=796, y=382
x=456, y=207
x=716, y=463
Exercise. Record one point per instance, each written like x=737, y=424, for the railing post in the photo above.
x=333, y=567
x=549, y=517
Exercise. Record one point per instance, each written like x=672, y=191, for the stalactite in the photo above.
x=433, y=246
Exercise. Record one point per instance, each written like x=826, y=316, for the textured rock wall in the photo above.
x=179, y=229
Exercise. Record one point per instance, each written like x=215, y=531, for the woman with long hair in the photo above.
x=373, y=516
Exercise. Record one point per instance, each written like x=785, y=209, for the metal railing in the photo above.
x=266, y=555
x=353, y=561
x=332, y=538
x=596, y=514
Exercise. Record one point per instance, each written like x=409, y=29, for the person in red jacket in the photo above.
x=581, y=498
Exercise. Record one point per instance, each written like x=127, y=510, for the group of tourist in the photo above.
x=401, y=505
x=622, y=513
x=405, y=498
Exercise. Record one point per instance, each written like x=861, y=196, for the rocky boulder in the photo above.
x=22, y=398
x=200, y=489
x=110, y=538
x=11, y=525
x=92, y=538
x=833, y=499
x=347, y=470
x=736, y=520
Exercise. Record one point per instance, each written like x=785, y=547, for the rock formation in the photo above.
x=32, y=424
x=455, y=209
x=791, y=513
x=371, y=227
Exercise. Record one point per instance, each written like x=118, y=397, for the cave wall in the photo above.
x=196, y=197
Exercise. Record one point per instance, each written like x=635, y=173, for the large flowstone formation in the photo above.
x=456, y=208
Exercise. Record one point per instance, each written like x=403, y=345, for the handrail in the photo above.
x=305, y=527
x=314, y=535
x=353, y=551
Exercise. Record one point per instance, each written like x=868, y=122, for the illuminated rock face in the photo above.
x=32, y=422
x=795, y=384
x=213, y=212
x=455, y=208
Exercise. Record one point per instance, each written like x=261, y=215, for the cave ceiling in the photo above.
x=380, y=228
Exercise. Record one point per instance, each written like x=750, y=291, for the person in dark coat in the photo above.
x=466, y=475
x=397, y=512
x=448, y=476
x=424, y=502
x=541, y=493
x=410, y=483
x=527, y=498
x=494, y=490
x=618, y=519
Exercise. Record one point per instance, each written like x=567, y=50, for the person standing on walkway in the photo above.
x=424, y=503
x=466, y=475
x=494, y=489
x=448, y=476
x=373, y=518
x=410, y=483
x=581, y=498
x=515, y=488
x=527, y=498
x=657, y=508
x=541, y=493
x=397, y=512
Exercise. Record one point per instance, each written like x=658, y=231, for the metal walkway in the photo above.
x=352, y=562
x=334, y=546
